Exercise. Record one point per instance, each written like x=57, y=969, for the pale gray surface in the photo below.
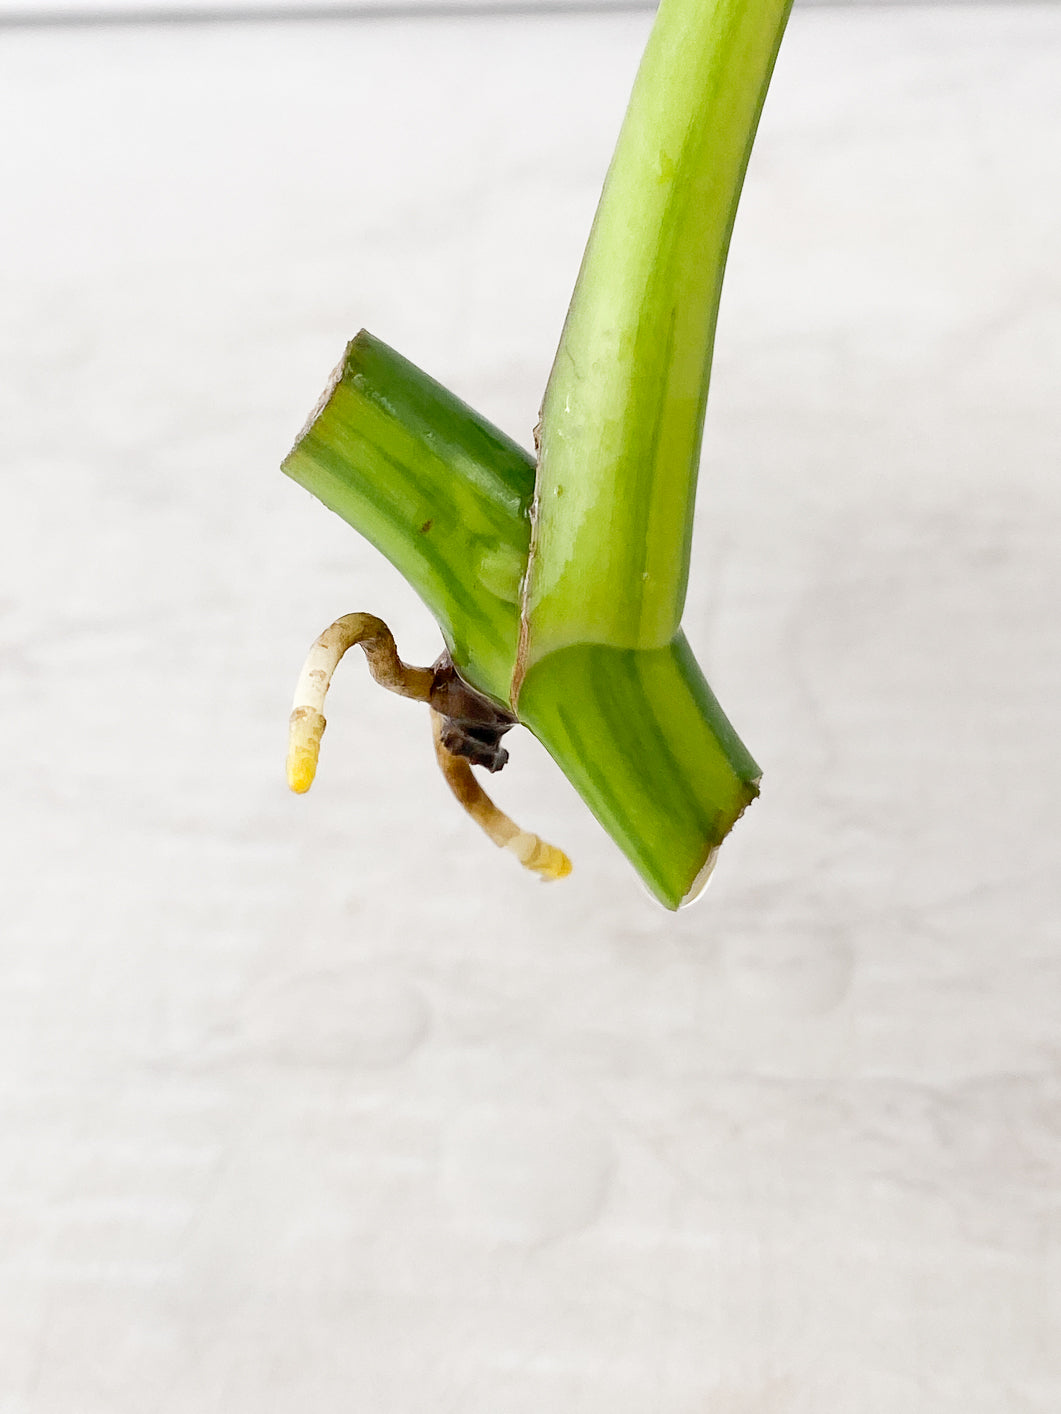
x=319, y=1104
x=141, y=11
x=66, y=12
x=107, y=12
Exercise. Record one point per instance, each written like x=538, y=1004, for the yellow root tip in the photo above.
x=544, y=859
x=303, y=750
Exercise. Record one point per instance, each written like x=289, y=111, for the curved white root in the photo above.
x=307, y=722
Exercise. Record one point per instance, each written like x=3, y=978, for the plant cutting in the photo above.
x=558, y=581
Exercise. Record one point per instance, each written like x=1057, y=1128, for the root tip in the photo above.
x=301, y=769
x=560, y=867
x=544, y=859
x=303, y=751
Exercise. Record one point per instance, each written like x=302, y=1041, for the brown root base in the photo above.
x=472, y=726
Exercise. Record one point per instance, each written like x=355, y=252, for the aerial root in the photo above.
x=307, y=725
x=531, y=851
x=307, y=722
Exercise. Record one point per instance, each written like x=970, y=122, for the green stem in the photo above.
x=623, y=414
x=641, y=737
x=576, y=628
x=442, y=493
x=638, y=733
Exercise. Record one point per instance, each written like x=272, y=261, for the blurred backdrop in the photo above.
x=320, y=1103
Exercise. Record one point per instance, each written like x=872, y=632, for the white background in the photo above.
x=106, y=11
x=319, y=1104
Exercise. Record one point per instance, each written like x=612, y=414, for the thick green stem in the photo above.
x=623, y=414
